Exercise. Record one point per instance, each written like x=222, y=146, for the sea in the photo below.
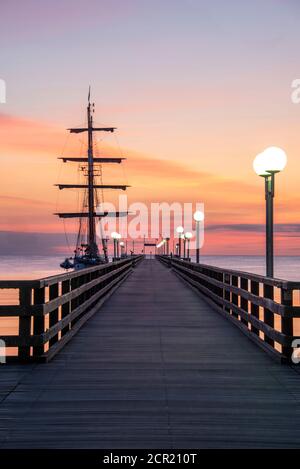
x=33, y=267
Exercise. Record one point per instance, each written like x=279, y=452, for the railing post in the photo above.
x=74, y=302
x=53, y=315
x=234, y=296
x=38, y=321
x=65, y=309
x=269, y=315
x=254, y=308
x=226, y=293
x=24, y=323
x=244, y=302
x=287, y=322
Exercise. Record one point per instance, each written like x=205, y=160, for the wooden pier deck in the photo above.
x=157, y=367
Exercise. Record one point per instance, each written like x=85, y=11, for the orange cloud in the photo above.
x=30, y=168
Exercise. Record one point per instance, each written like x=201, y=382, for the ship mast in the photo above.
x=93, y=248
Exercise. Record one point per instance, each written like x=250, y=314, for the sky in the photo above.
x=196, y=88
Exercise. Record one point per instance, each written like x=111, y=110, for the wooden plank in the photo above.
x=23, y=341
x=20, y=310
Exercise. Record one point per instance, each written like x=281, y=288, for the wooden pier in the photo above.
x=155, y=367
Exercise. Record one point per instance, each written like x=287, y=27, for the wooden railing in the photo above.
x=51, y=310
x=263, y=308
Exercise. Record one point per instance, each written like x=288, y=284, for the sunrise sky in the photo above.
x=196, y=88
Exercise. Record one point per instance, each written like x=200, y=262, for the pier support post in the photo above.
x=226, y=293
x=24, y=323
x=234, y=296
x=269, y=315
x=254, y=308
x=53, y=319
x=65, y=309
x=244, y=302
x=39, y=321
x=287, y=322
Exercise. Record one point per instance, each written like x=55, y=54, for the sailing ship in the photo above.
x=86, y=253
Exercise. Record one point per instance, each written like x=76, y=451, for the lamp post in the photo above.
x=179, y=230
x=114, y=235
x=184, y=244
x=267, y=164
x=188, y=236
x=122, y=244
x=159, y=246
x=167, y=246
x=118, y=245
x=198, y=217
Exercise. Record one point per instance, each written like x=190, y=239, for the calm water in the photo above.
x=285, y=267
x=33, y=267
x=13, y=267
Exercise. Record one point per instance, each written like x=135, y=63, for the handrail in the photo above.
x=52, y=309
x=249, y=300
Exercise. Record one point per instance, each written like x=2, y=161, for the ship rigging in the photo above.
x=87, y=254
